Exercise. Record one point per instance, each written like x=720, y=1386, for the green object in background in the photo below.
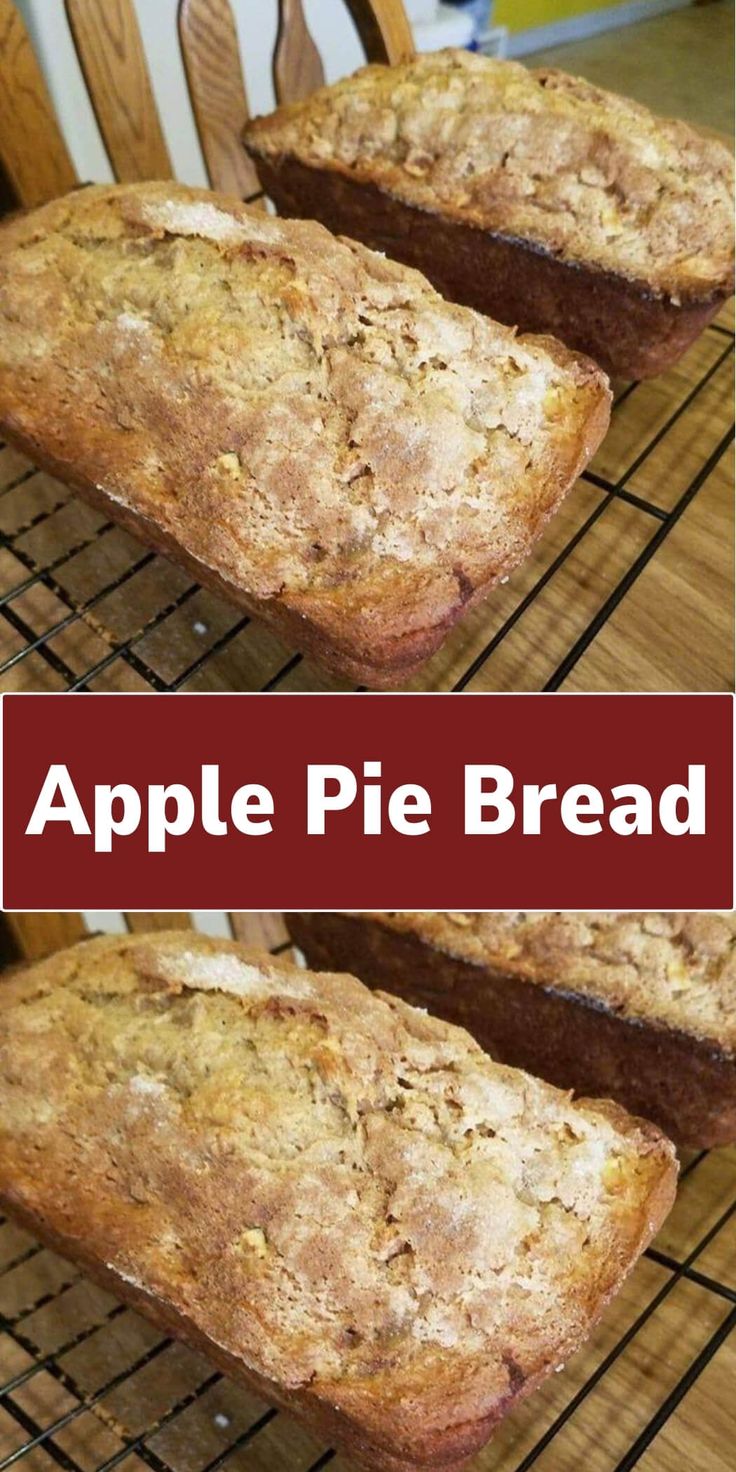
x=525, y=15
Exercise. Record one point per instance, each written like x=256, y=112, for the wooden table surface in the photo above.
x=90, y=1385
x=630, y=588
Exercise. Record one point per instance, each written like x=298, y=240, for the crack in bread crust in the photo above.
x=637, y=1008
x=346, y=453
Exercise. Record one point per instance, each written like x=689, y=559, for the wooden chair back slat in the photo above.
x=297, y=65
x=30, y=936
x=209, y=45
x=263, y=928
x=158, y=920
x=110, y=51
x=384, y=30
x=33, y=154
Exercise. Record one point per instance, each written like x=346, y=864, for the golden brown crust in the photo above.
x=216, y=1125
x=621, y=325
x=342, y=451
x=536, y=156
x=638, y=1008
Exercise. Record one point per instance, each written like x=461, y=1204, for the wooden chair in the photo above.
x=28, y=936
x=33, y=154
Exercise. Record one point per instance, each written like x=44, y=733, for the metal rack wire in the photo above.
x=62, y=571
x=43, y=1328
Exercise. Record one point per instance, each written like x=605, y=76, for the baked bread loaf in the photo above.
x=531, y=195
x=308, y=427
x=638, y=1008
x=337, y=1198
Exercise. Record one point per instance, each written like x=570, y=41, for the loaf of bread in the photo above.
x=336, y=1197
x=307, y=426
x=637, y=1008
x=531, y=195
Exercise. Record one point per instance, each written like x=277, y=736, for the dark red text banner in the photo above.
x=367, y=802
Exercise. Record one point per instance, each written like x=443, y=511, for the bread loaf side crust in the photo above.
x=686, y=1084
x=377, y=651
x=533, y=155
x=630, y=330
x=186, y=1100
x=327, y=1421
x=382, y=661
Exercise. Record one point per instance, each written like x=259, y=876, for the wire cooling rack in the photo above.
x=626, y=590
x=88, y=1386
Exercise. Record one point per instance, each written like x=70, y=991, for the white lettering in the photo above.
x=693, y=797
x=160, y=825
x=318, y=801
x=57, y=780
x=252, y=809
x=477, y=799
x=105, y=823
